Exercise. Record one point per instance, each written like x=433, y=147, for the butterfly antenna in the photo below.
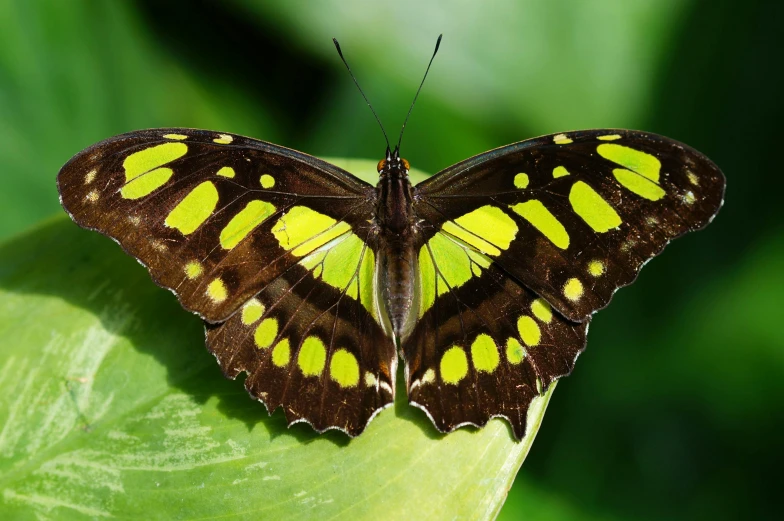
x=337, y=46
x=400, y=139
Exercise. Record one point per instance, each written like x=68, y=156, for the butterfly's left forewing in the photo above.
x=273, y=248
x=520, y=245
x=198, y=208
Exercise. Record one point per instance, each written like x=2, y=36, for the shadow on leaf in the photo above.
x=90, y=272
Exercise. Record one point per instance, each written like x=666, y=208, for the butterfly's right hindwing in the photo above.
x=484, y=345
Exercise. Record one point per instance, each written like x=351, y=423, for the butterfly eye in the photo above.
x=381, y=165
x=406, y=164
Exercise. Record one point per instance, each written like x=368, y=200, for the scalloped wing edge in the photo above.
x=292, y=421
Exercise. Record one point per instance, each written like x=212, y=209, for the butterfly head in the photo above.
x=393, y=165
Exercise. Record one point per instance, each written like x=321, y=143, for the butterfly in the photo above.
x=481, y=280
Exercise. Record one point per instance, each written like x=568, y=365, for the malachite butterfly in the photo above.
x=481, y=280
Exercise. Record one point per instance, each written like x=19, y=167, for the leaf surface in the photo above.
x=110, y=406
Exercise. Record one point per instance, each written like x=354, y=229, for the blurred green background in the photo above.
x=674, y=412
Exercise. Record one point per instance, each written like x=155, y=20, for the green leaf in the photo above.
x=110, y=406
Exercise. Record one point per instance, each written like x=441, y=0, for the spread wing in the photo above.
x=520, y=246
x=581, y=203
x=271, y=247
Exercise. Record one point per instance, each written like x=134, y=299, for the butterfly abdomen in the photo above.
x=396, y=283
x=397, y=254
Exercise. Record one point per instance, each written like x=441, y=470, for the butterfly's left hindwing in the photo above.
x=273, y=248
x=314, y=348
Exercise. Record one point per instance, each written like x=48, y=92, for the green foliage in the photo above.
x=73, y=73
x=111, y=406
x=673, y=411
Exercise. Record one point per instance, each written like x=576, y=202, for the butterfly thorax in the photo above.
x=396, y=272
